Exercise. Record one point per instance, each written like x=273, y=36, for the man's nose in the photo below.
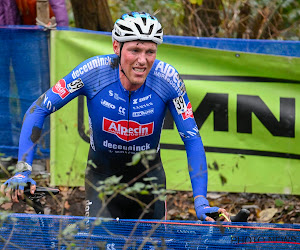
x=142, y=58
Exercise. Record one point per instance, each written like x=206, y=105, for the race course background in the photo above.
x=245, y=105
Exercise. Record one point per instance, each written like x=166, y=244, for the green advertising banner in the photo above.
x=245, y=106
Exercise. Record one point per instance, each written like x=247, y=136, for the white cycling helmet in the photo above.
x=137, y=26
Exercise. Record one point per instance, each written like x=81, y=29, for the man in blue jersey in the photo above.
x=127, y=94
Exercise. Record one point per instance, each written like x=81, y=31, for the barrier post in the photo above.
x=42, y=10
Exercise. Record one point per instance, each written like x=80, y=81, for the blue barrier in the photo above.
x=24, y=76
x=270, y=47
x=59, y=232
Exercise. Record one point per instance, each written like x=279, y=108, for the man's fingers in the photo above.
x=225, y=213
x=225, y=218
x=2, y=189
x=21, y=194
x=32, y=189
x=14, y=195
x=8, y=193
x=228, y=217
x=209, y=219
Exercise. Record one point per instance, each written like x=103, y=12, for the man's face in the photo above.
x=137, y=58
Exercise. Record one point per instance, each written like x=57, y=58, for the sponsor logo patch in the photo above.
x=131, y=148
x=19, y=176
x=48, y=103
x=107, y=104
x=143, y=105
x=94, y=63
x=169, y=74
x=116, y=96
x=75, y=85
x=61, y=89
x=188, y=113
x=127, y=130
x=122, y=111
x=143, y=113
x=189, y=134
x=142, y=99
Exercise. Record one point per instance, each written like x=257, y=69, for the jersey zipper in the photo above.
x=129, y=97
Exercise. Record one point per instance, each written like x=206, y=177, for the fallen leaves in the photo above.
x=271, y=208
x=266, y=215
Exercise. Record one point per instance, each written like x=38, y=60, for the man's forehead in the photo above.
x=140, y=42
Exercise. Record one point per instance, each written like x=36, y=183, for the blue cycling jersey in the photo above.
x=122, y=122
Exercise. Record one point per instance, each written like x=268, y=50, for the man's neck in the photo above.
x=126, y=83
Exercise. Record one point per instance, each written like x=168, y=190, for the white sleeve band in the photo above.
x=23, y=166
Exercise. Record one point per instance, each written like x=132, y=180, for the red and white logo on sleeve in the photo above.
x=127, y=130
x=60, y=88
x=19, y=176
x=188, y=113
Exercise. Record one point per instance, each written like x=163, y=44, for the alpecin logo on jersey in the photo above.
x=127, y=130
x=188, y=113
x=61, y=89
x=169, y=73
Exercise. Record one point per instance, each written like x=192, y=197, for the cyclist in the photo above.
x=127, y=97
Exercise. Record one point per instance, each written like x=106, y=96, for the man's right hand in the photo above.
x=13, y=188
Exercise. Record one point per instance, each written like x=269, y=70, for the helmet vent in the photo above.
x=150, y=30
x=130, y=14
x=124, y=27
x=139, y=28
x=152, y=17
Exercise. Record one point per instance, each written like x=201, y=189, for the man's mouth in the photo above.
x=139, y=70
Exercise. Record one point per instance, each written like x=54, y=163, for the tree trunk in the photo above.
x=243, y=30
x=202, y=20
x=92, y=14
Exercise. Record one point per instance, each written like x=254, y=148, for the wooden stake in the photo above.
x=42, y=11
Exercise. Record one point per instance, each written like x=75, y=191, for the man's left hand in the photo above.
x=202, y=208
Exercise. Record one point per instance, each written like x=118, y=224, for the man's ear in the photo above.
x=116, y=47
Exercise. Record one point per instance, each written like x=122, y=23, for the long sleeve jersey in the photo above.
x=122, y=122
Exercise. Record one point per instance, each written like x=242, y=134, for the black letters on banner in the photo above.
x=246, y=105
x=217, y=103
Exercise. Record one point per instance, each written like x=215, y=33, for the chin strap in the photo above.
x=121, y=47
x=123, y=71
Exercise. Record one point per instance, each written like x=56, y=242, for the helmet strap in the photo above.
x=121, y=47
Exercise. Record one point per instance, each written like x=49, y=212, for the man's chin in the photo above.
x=138, y=82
